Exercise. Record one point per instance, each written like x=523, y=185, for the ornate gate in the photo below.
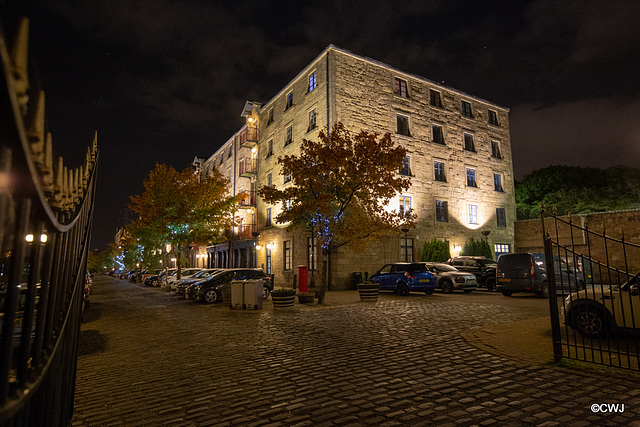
x=594, y=298
x=45, y=223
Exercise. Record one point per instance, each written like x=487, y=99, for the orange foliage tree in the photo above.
x=341, y=186
x=181, y=208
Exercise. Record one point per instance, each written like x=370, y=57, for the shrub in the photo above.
x=435, y=251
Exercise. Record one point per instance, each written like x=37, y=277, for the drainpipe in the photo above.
x=327, y=84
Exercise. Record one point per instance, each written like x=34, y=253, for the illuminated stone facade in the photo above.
x=459, y=160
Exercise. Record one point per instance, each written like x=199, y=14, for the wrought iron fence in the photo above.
x=45, y=223
x=593, y=292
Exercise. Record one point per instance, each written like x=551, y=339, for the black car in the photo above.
x=182, y=284
x=210, y=290
x=483, y=268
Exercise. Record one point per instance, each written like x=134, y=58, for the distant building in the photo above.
x=459, y=161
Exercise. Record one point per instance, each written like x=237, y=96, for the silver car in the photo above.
x=449, y=278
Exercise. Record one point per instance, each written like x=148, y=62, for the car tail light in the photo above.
x=86, y=286
x=533, y=270
x=410, y=276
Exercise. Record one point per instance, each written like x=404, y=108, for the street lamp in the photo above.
x=406, y=252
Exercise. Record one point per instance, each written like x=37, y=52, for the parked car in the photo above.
x=210, y=290
x=483, y=268
x=185, y=274
x=528, y=273
x=405, y=277
x=601, y=310
x=182, y=284
x=449, y=278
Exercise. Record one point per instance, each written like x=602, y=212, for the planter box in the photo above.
x=305, y=298
x=368, y=292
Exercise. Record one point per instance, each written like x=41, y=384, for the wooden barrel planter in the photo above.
x=283, y=298
x=368, y=291
x=306, y=298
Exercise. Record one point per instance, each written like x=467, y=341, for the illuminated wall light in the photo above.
x=250, y=119
x=43, y=238
x=29, y=238
x=258, y=247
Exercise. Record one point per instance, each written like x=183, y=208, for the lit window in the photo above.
x=403, y=125
x=289, y=137
x=495, y=150
x=468, y=143
x=501, y=217
x=311, y=253
x=501, y=248
x=438, y=134
x=289, y=100
x=442, y=211
x=497, y=182
x=400, y=88
x=434, y=98
x=493, y=118
x=287, y=254
x=471, y=178
x=439, y=172
x=406, y=166
x=268, y=259
x=405, y=204
x=312, y=82
x=473, y=214
x=466, y=109
x=312, y=120
x=268, y=222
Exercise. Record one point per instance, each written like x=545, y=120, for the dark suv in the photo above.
x=210, y=289
x=483, y=268
x=405, y=277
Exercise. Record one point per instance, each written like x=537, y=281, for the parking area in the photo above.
x=149, y=358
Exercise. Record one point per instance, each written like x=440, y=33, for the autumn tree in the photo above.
x=181, y=208
x=340, y=189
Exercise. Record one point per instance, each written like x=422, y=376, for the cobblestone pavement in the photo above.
x=149, y=358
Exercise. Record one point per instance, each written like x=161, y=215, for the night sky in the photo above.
x=166, y=80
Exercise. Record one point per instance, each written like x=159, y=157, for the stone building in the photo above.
x=459, y=161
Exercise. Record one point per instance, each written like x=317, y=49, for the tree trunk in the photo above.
x=324, y=276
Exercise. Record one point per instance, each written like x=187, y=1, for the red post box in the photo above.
x=303, y=274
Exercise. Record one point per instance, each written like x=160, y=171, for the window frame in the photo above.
x=401, y=118
x=288, y=136
x=468, y=137
x=465, y=109
x=497, y=182
x=312, y=258
x=496, y=153
x=398, y=87
x=288, y=100
x=312, y=81
x=472, y=214
x=406, y=166
x=442, y=211
x=286, y=255
x=268, y=218
x=270, y=116
x=501, y=217
x=493, y=118
x=433, y=133
x=402, y=203
x=471, y=177
x=312, y=120
x=269, y=148
x=435, y=101
x=443, y=171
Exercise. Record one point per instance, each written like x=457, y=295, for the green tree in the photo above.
x=474, y=247
x=435, y=251
x=180, y=208
x=341, y=184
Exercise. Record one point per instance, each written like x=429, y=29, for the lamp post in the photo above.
x=406, y=252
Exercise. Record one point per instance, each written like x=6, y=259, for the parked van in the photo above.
x=528, y=273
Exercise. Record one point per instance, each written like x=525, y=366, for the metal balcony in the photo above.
x=248, y=167
x=249, y=201
x=249, y=137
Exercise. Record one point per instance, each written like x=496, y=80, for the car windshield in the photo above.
x=203, y=273
x=445, y=267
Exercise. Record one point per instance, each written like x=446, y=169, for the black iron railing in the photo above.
x=594, y=296
x=45, y=223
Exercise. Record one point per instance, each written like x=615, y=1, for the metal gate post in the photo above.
x=553, y=299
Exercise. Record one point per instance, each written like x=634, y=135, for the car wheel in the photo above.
x=265, y=292
x=467, y=291
x=210, y=296
x=544, y=290
x=491, y=284
x=402, y=289
x=155, y=283
x=429, y=291
x=590, y=322
x=507, y=293
x=446, y=286
x=581, y=285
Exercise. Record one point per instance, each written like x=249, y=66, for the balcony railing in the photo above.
x=249, y=201
x=248, y=167
x=249, y=137
x=245, y=231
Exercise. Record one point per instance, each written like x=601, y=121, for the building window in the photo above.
x=493, y=118
x=312, y=82
x=222, y=158
x=289, y=100
x=270, y=148
x=438, y=134
x=439, y=171
x=501, y=248
x=497, y=182
x=269, y=179
x=501, y=217
x=406, y=249
x=229, y=155
x=466, y=109
x=442, y=211
x=268, y=266
x=473, y=214
x=312, y=120
x=468, y=143
x=434, y=98
x=406, y=166
x=404, y=204
x=471, y=178
x=268, y=222
x=495, y=150
x=287, y=177
x=400, y=88
x=287, y=254
x=289, y=137
x=403, y=125
x=270, y=119
x=311, y=253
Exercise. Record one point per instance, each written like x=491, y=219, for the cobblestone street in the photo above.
x=149, y=358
